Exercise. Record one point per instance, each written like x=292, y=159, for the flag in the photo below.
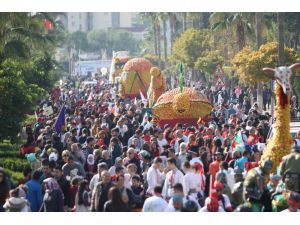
x=135, y=101
x=36, y=116
x=180, y=77
x=150, y=94
x=60, y=121
x=144, y=100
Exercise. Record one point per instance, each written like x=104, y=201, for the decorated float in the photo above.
x=181, y=105
x=136, y=78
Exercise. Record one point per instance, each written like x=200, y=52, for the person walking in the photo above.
x=115, y=202
x=53, y=199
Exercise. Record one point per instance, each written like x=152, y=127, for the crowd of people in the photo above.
x=109, y=156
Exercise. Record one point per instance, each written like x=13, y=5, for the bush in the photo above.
x=9, y=154
x=14, y=164
x=15, y=176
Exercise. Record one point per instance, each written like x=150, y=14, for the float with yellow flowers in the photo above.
x=181, y=105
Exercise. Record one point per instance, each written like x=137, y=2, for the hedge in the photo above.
x=15, y=176
x=14, y=164
x=9, y=154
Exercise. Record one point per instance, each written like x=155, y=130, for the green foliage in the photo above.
x=16, y=176
x=209, y=61
x=112, y=40
x=153, y=59
x=249, y=64
x=191, y=45
x=78, y=40
x=27, y=66
x=14, y=164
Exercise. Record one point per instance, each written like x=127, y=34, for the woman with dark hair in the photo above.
x=115, y=202
x=83, y=198
x=168, y=135
x=4, y=189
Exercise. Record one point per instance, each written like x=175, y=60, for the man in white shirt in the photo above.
x=156, y=203
x=154, y=176
x=173, y=176
x=191, y=182
x=179, y=136
x=161, y=141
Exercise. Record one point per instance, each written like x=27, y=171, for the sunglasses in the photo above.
x=217, y=189
x=65, y=156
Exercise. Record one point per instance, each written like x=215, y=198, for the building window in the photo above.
x=73, y=23
x=105, y=14
x=80, y=27
x=80, y=16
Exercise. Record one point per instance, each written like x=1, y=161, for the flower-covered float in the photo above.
x=136, y=78
x=176, y=106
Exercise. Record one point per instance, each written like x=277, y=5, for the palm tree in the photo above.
x=172, y=22
x=280, y=20
x=240, y=22
x=163, y=18
x=184, y=20
x=258, y=20
x=153, y=17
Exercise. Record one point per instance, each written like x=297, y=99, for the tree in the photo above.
x=240, y=22
x=191, y=45
x=258, y=20
x=79, y=40
x=97, y=40
x=209, y=61
x=280, y=19
x=249, y=64
x=27, y=67
x=163, y=17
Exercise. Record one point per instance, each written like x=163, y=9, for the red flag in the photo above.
x=48, y=24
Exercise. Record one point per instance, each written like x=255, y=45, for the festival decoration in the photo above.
x=118, y=61
x=280, y=144
x=187, y=106
x=136, y=77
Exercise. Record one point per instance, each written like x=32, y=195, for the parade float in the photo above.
x=136, y=78
x=119, y=59
x=181, y=105
x=280, y=143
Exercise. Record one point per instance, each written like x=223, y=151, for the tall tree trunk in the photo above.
x=171, y=32
x=241, y=36
x=165, y=39
x=184, y=15
x=154, y=35
x=280, y=20
x=258, y=17
x=158, y=42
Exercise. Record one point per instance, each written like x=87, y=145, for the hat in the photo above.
x=219, y=185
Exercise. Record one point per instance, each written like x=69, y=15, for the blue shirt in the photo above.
x=240, y=163
x=34, y=195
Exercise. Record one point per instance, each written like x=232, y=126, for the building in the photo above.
x=88, y=21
